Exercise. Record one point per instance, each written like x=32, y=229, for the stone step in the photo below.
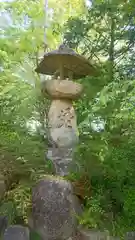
x=16, y=232
x=95, y=235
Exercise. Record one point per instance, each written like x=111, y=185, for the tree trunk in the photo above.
x=111, y=49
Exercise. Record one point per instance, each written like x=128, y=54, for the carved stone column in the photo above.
x=63, y=132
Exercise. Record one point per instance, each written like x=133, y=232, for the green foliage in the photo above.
x=34, y=236
x=92, y=216
x=8, y=209
x=21, y=196
x=106, y=116
x=129, y=203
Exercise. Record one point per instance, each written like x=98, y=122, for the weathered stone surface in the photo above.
x=62, y=124
x=30, y=222
x=62, y=113
x=3, y=224
x=16, y=232
x=84, y=234
x=54, y=208
x=64, y=137
x=93, y=235
x=62, y=159
x=2, y=186
x=130, y=236
x=63, y=89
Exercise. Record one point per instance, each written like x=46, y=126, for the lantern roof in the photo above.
x=66, y=60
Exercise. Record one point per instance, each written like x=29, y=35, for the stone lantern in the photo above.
x=55, y=204
x=64, y=65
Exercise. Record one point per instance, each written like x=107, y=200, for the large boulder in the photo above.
x=54, y=208
x=16, y=232
x=63, y=89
